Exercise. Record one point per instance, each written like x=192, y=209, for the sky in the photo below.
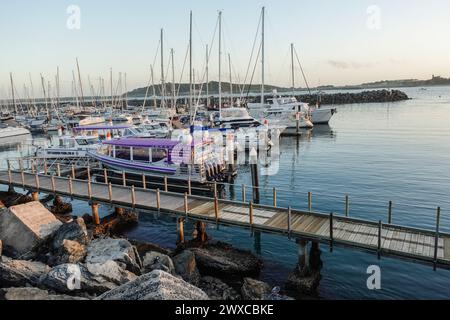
x=338, y=42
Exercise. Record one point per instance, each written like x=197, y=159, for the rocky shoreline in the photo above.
x=372, y=96
x=76, y=259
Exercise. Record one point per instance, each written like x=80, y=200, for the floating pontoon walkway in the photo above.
x=384, y=239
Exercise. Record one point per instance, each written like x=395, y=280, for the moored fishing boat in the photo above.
x=196, y=161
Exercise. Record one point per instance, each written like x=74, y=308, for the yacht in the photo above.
x=9, y=131
x=233, y=118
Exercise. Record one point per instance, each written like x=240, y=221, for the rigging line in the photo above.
x=182, y=71
x=301, y=69
x=251, y=55
x=204, y=73
x=253, y=73
x=146, y=90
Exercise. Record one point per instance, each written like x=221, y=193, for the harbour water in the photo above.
x=372, y=152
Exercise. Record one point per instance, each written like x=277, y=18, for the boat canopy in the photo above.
x=101, y=127
x=143, y=143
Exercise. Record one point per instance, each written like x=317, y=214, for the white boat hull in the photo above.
x=322, y=115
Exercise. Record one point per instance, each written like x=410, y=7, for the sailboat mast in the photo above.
x=207, y=77
x=112, y=93
x=126, y=92
x=231, y=81
x=163, y=84
x=173, y=80
x=220, y=62
x=262, y=55
x=190, y=62
x=153, y=87
x=81, y=84
x=45, y=95
x=57, y=88
x=75, y=89
x=292, y=69
x=12, y=91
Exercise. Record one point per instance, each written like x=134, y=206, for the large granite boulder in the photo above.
x=157, y=261
x=156, y=285
x=74, y=231
x=29, y=293
x=222, y=260
x=120, y=251
x=216, y=289
x=18, y=273
x=69, y=252
x=186, y=267
x=73, y=278
x=255, y=290
x=25, y=226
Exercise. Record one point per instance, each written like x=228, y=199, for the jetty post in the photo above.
x=436, y=238
x=303, y=259
x=95, y=214
x=347, y=206
x=310, y=201
x=254, y=172
x=390, y=213
x=331, y=232
x=180, y=228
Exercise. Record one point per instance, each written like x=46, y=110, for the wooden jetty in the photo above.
x=383, y=239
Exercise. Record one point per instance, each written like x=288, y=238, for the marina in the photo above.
x=236, y=154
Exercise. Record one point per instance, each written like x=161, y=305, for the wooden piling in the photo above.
x=244, y=193
x=45, y=167
x=35, y=196
x=95, y=214
x=105, y=175
x=189, y=186
x=390, y=213
x=144, y=182
x=166, y=185
x=275, y=197
x=347, y=206
x=250, y=210
x=436, y=237
x=309, y=201
x=331, y=232
x=124, y=179
x=158, y=199
x=181, y=230
x=58, y=169
x=73, y=172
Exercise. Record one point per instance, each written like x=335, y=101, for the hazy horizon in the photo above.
x=338, y=43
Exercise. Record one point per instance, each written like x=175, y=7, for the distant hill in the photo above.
x=434, y=81
x=213, y=88
x=254, y=88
